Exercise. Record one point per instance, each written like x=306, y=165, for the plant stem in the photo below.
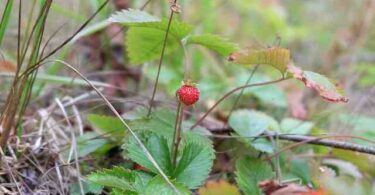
x=230, y=93
x=160, y=61
x=177, y=133
x=240, y=95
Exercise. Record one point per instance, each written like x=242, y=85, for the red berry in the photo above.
x=188, y=94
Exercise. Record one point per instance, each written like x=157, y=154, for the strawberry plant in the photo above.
x=181, y=147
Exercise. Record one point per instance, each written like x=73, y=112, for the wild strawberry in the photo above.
x=188, y=93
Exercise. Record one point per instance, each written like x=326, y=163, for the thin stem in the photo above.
x=274, y=141
x=230, y=93
x=39, y=63
x=240, y=95
x=145, y=4
x=161, y=61
x=177, y=134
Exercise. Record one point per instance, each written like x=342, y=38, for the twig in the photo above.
x=230, y=93
x=325, y=140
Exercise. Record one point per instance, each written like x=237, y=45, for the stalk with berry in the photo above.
x=187, y=95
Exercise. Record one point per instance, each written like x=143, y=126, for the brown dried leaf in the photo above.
x=326, y=89
x=272, y=187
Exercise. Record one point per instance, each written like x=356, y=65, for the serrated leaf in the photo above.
x=145, y=37
x=108, y=125
x=326, y=89
x=194, y=164
x=158, y=186
x=158, y=148
x=177, y=29
x=295, y=126
x=124, y=180
x=275, y=56
x=145, y=44
x=218, y=188
x=130, y=16
x=116, y=177
x=88, y=187
x=144, y=41
x=250, y=171
x=251, y=123
x=214, y=42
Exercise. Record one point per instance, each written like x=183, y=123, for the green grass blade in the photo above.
x=5, y=19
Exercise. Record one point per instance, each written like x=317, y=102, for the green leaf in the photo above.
x=214, y=42
x=251, y=123
x=116, y=177
x=131, y=16
x=88, y=187
x=195, y=158
x=121, y=179
x=158, y=148
x=159, y=186
x=86, y=144
x=145, y=44
x=250, y=171
x=178, y=29
x=111, y=126
x=194, y=164
x=326, y=89
x=144, y=41
x=300, y=168
x=295, y=126
x=262, y=144
x=145, y=37
x=195, y=152
x=116, y=191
